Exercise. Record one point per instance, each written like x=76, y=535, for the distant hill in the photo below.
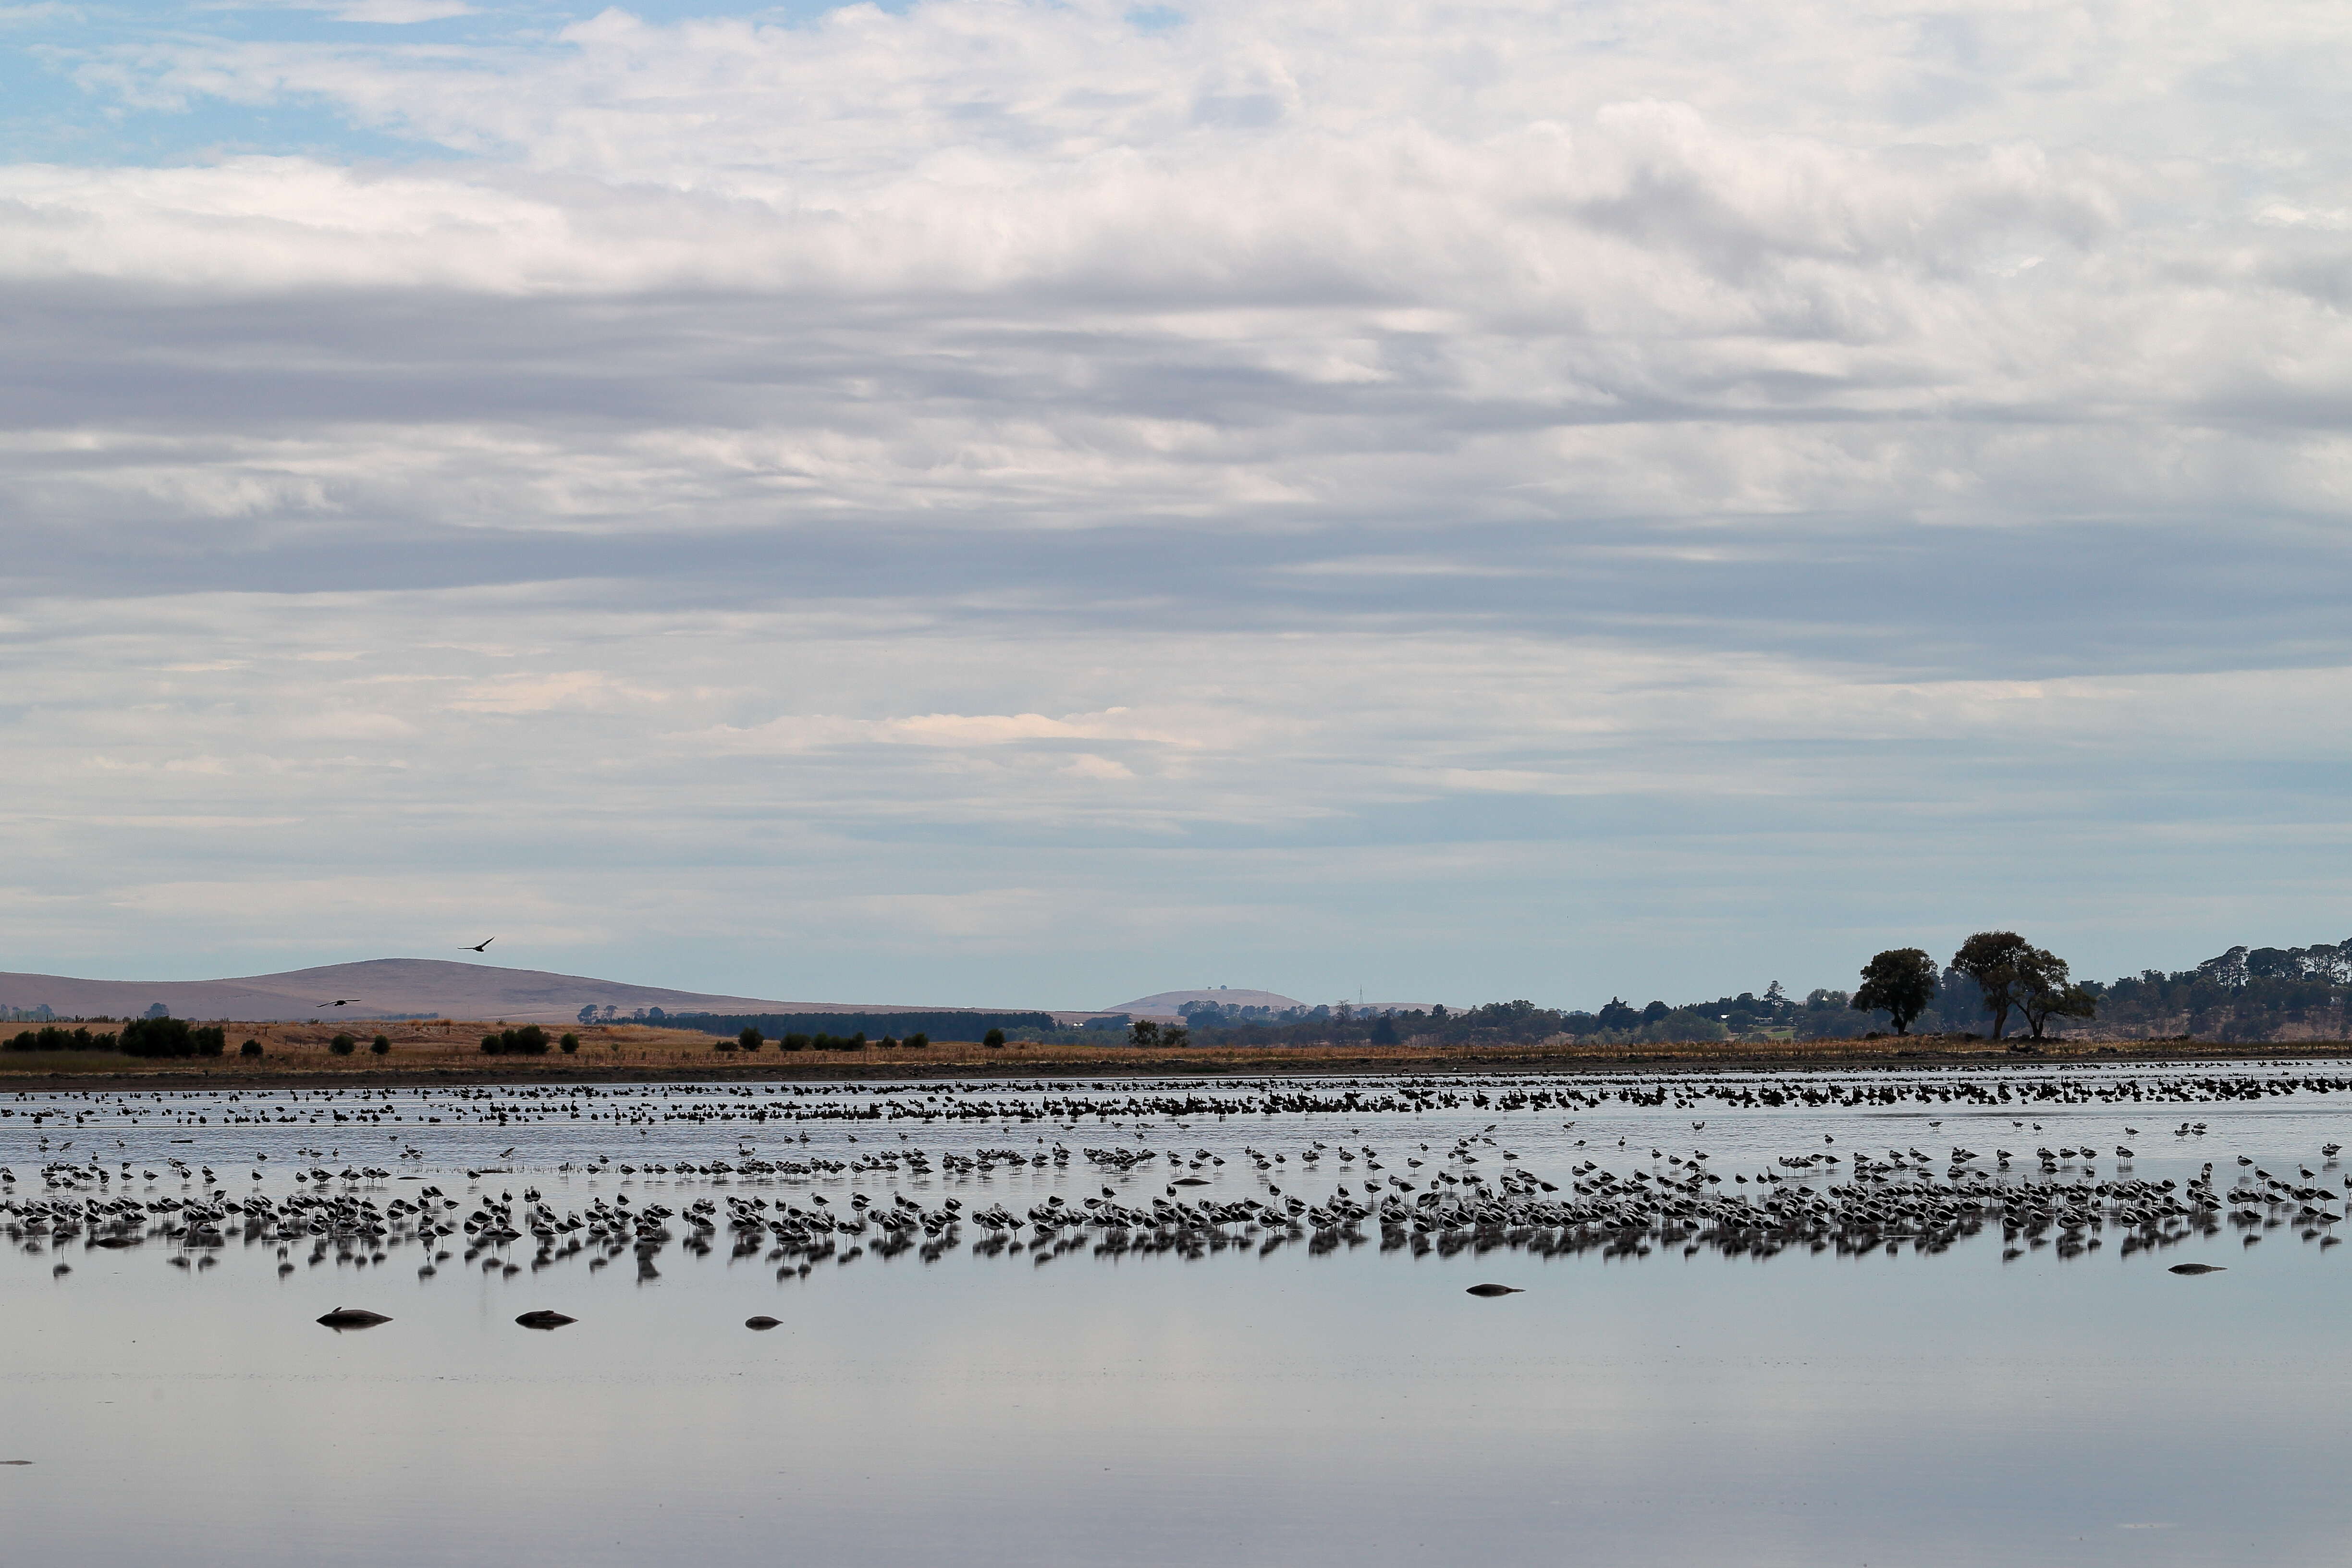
x=384, y=988
x=1164, y=1003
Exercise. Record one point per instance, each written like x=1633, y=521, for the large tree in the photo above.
x=2045, y=992
x=1994, y=959
x=1899, y=983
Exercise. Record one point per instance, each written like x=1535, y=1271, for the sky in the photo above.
x=1030, y=504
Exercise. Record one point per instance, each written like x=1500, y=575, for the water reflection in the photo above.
x=1728, y=1345
x=1254, y=1166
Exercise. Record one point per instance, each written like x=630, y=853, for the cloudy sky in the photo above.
x=1020, y=503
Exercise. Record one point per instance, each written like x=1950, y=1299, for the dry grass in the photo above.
x=445, y=1048
x=439, y=1044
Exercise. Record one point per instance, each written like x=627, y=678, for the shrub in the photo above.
x=794, y=1043
x=918, y=1041
x=889, y=1044
x=570, y=1043
x=250, y=1048
x=383, y=1045
x=530, y=1040
x=169, y=1036
x=993, y=1039
x=343, y=1045
x=157, y=1037
x=750, y=1040
x=727, y=1045
x=49, y=1037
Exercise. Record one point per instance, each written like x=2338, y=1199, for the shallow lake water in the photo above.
x=1976, y=1398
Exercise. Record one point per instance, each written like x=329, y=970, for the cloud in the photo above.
x=400, y=12
x=1490, y=494
x=806, y=733
x=557, y=690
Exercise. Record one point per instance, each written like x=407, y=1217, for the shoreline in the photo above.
x=681, y=1062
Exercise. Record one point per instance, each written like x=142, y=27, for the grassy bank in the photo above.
x=441, y=1052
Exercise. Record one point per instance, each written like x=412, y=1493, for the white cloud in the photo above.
x=1446, y=481
x=400, y=13
x=803, y=733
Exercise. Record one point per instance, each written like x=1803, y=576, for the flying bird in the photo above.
x=344, y=1002
x=481, y=944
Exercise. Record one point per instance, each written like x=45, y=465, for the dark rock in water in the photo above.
x=2195, y=1268
x=544, y=1320
x=1495, y=1291
x=761, y=1324
x=353, y=1318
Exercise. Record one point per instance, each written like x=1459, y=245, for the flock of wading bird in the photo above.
x=1469, y=1191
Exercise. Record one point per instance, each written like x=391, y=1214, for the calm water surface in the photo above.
x=1290, y=1407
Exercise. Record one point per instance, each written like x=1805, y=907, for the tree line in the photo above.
x=749, y=1038
x=1995, y=983
x=150, y=1036
x=865, y=1026
x=2009, y=973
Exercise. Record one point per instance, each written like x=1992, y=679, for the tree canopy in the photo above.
x=2045, y=990
x=162, y=1035
x=1899, y=983
x=1992, y=959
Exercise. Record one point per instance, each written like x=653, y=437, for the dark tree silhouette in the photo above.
x=160, y=1035
x=1994, y=959
x=2045, y=992
x=1899, y=983
x=530, y=1040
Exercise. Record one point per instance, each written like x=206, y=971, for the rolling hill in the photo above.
x=381, y=988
